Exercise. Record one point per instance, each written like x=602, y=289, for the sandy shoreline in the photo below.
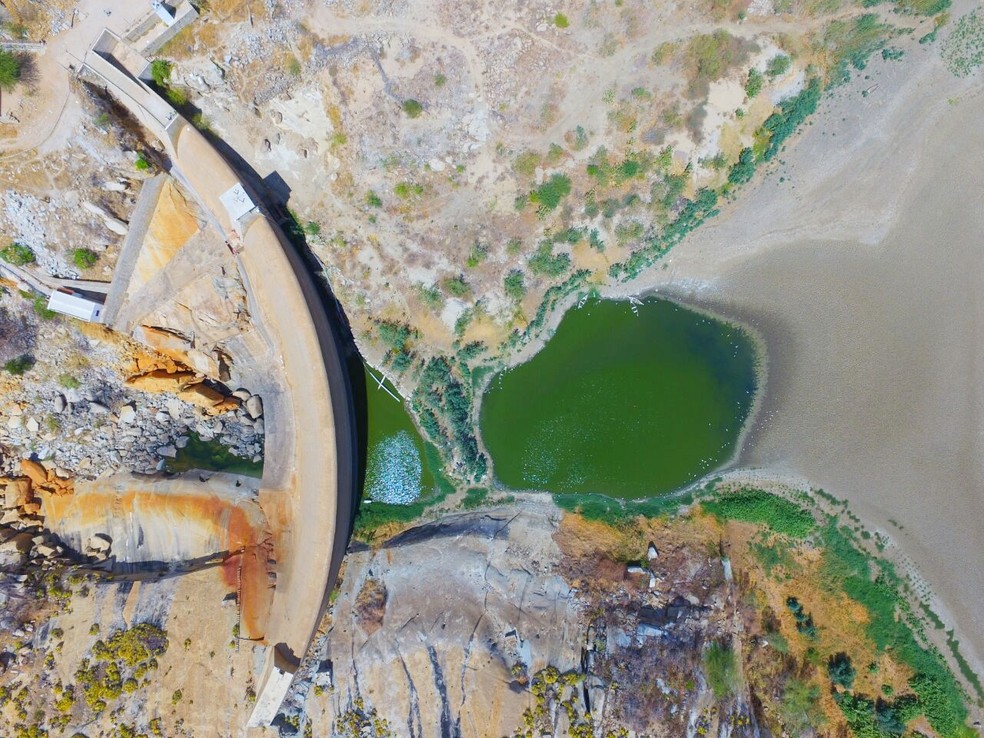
x=862, y=271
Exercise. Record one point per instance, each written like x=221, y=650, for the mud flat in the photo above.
x=863, y=270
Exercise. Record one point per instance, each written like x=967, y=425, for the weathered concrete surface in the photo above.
x=151, y=522
x=471, y=601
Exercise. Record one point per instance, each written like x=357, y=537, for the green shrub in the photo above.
x=41, y=309
x=84, y=258
x=753, y=85
x=792, y=112
x=963, y=51
x=17, y=254
x=312, y=228
x=710, y=56
x=922, y=7
x=515, y=284
x=546, y=263
x=440, y=80
x=69, y=382
x=550, y=193
x=456, y=286
x=412, y=108
x=395, y=335
x=778, y=65
x=479, y=253
x=160, y=72
x=177, y=96
x=431, y=296
x=408, y=190
x=141, y=164
x=744, y=168
x=373, y=200
x=19, y=365
x=561, y=21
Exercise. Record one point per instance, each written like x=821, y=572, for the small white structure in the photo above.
x=163, y=12
x=68, y=303
x=236, y=202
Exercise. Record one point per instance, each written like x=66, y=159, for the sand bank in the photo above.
x=864, y=272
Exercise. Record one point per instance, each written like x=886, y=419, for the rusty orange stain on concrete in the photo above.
x=238, y=527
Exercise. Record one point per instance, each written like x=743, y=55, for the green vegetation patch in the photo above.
x=84, y=258
x=852, y=42
x=963, y=51
x=612, y=511
x=119, y=663
x=721, y=668
x=442, y=403
x=211, y=456
x=548, y=264
x=710, y=56
x=17, y=254
x=19, y=365
x=756, y=506
x=893, y=626
x=792, y=112
x=548, y=195
x=10, y=70
x=412, y=108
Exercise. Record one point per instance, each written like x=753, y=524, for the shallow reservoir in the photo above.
x=630, y=400
x=398, y=461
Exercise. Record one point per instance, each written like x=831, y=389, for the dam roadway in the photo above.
x=310, y=468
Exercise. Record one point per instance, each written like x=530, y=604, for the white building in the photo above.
x=68, y=303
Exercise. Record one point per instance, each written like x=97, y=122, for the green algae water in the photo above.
x=398, y=463
x=629, y=400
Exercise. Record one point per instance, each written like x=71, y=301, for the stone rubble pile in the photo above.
x=86, y=432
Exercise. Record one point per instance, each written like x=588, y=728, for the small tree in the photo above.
x=840, y=670
x=10, y=71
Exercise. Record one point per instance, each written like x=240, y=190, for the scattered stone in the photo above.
x=254, y=407
x=98, y=408
x=127, y=414
x=32, y=425
x=168, y=452
x=60, y=404
x=174, y=408
x=652, y=553
x=181, y=441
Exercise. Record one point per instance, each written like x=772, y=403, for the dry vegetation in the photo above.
x=792, y=646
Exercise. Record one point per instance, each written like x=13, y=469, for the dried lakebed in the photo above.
x=631, y=399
